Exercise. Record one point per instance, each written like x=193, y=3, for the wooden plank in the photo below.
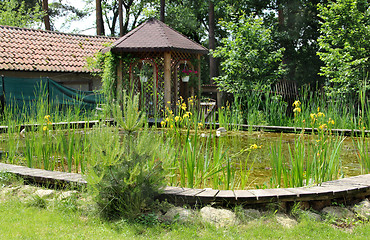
x=281, y=193
x=55, y=176
x=262, y=193
x=173, y=190
x=29, y=172
x=191, y=192
x=244, y=196
x=349, y=185
x=365, y=181
x=208, y=193
x=300, y=192
x=225, y=194
x=319, y=189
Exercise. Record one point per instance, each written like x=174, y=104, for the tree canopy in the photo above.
x=17, y=14
x=249, y=55
x=335, y=53
x=345, y=44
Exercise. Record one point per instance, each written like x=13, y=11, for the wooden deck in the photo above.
x=60, y=125
x=343, y=188
x=43, y=176
x=282, y=129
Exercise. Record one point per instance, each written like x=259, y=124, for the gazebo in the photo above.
x=152, y=58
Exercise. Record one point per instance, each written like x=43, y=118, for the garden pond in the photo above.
x=253, y=150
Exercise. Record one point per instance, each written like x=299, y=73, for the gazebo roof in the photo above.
x=155, y=36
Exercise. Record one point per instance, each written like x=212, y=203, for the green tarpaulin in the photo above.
x=25, y=92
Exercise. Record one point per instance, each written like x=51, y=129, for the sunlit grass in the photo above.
x=21, y=222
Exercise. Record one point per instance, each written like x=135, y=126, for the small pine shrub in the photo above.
x=127, y=174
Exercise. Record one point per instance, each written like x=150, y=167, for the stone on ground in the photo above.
x=67, y=194
x=178, y=214
x=219, y=217
x=285, y=220
x=362, y=209
x=311, y=216
x=338, y=212
x=45, y=193
x=251, y=214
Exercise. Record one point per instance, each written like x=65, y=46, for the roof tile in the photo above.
x=38, y=50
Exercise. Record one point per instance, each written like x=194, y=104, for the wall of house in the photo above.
x=80, y=81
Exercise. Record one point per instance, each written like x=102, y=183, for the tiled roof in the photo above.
x=155, y=36
x=37, y=50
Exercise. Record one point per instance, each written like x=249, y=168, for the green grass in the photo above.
x=21, y=222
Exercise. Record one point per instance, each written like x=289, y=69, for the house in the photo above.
x=29, y=53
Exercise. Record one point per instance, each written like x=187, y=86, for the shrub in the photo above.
x=126, y=173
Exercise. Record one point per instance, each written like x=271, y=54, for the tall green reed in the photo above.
x=312, y=160
x=362, y=143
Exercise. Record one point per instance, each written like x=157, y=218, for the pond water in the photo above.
x=233, y=143
x=261, y=172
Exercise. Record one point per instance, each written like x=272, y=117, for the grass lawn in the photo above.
x=20, y=221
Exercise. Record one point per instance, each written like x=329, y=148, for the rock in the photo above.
x=178, y=214
x=221, y=129
x=25, y=191
x=338, y=212
x=311, y=216
x=5, y=192
x=219, y=217
x=251, y=214
x=362, y=209
x=67, y=194
x=44, y=193
x=285, y=220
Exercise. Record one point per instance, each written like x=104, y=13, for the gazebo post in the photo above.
x=199, y=78
x=167, y=79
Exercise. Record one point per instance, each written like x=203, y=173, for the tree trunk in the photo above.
x=212, y=41
x=163, y=3
x=120, y=14
x=45, y=8
x=99, y=18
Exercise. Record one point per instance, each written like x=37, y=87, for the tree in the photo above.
x=249, y=56
x=345, y=44
x=163, y=4
x=199, y=20
x=297, y=32
x=99, y=18
x=45, y=8
x=212, y=41
x=127, y=15
x=15, y=13
x=120, y=16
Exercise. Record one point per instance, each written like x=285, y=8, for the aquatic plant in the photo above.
x=312, y=160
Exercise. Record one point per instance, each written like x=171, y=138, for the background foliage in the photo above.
x=249, y=56
x=345, y=44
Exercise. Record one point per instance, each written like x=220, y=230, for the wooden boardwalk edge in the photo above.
x=341, y=188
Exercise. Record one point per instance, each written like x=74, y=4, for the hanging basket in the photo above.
x=185, y=78
x=143, y=78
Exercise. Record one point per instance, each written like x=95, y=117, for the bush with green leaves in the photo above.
x=249, y=56
x=126, y=172
x=345, y=44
